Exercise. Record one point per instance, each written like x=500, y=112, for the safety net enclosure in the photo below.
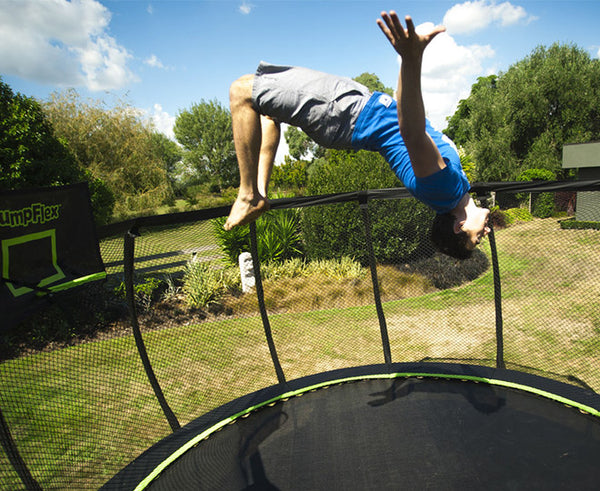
x=358, y=359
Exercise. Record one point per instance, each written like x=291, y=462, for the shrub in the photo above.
x=400, y=228
x=297, y=286
x=579, y=225
x=290, y=174
x=446, y=272
x=344, y=267
x=204, y=285
x=514, y=215
x=542, y=204
x=278, y=237
x=144, y=291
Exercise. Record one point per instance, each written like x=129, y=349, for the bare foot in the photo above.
x=245, y=210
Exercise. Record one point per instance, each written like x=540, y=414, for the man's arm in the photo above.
x=424, y=154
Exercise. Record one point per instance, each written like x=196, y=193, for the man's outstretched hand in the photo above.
x=406, y=42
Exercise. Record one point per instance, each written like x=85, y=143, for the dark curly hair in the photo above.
x=446, y=240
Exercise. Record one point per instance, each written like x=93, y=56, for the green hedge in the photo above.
x=579, y=225
x=400, y=228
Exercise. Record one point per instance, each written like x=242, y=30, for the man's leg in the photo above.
x=247, y=136
x=270, y=132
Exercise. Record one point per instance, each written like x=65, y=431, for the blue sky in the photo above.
x=164, y=55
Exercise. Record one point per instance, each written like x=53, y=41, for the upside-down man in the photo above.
x=338, y=112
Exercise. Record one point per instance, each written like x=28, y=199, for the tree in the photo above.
x=168, y=152
x=301, y=145
x=372, y=82
x=205, y=133
x=115, y=145
x=32, y=156
x=457, y=130
x=521, y=119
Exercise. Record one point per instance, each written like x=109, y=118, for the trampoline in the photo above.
x=389, y=409
x=403, y=426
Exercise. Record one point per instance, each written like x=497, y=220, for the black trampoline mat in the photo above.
x=399, y=434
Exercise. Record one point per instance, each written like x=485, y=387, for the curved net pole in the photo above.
x=15, y=458
x=261, y=304
x=497, y=300
x=385, y=340
x=128, y=255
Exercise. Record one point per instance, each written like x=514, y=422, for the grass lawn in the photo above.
x=162, y=249
x=91, y=408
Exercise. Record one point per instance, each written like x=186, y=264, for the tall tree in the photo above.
x=373, y=83
x=32, y=156
x=116, y=145
x=300, y=145
x=167, y=151
x=521, y=119
x=205, y=133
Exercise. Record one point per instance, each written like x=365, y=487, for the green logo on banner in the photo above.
x=37, y=213
x=53, y=271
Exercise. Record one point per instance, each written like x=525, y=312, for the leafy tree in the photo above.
x=168, y=152
x=205, y=133
x=115, y=145
x=522, y=118
x=372, y=82
x=301, y=145
x=457, y=130
x=32, y=156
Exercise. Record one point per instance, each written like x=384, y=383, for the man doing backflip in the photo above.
x=341, y=113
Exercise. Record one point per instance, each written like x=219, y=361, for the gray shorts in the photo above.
x=326, y=107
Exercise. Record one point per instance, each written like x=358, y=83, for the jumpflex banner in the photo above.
x=47, y=244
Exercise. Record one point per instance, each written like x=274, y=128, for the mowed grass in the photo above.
x=162, y=247
x=96, y=398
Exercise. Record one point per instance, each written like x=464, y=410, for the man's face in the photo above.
x=476, y=226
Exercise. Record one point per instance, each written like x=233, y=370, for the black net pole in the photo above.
x=385, y=340
x=261, y=304
x=15, y=458
x=497, y=301
x=128, y=255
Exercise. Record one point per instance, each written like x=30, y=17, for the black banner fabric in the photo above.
x=48, y=244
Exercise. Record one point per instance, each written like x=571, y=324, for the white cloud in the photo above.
x=246, y=8
x=448, y=71
x=472, y=16
x=150, y=9
x=154, y=62
x=162, y=121
x=63, y=43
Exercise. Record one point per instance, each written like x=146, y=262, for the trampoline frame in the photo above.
x=165, y=453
